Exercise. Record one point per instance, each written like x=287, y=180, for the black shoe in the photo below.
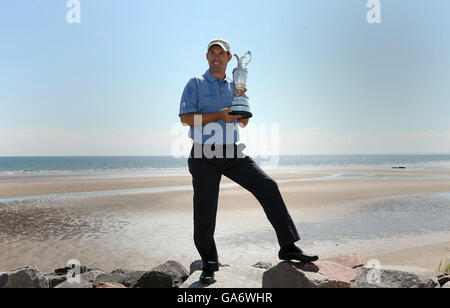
x=207, y=277
x=294, y=253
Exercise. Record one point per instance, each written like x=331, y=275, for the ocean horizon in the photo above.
x=84, y=165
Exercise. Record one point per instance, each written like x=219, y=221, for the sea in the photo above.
x=166, y=165
x=136, y=231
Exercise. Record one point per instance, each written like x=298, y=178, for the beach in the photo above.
x=397, y=216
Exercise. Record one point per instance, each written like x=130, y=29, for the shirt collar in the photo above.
x=210, y=77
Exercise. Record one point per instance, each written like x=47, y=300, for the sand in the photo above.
x=142, y=230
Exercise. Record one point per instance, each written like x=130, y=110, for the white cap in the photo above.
x=222, y=43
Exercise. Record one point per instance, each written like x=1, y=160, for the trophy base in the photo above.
x=244, y=114
x=240, y=106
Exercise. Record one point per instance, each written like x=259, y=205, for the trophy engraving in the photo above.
x=240, y=105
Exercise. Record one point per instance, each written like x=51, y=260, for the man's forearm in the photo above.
x=188, y=119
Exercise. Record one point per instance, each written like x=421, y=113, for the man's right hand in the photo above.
x=224, y=115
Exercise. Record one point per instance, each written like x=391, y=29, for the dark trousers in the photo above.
x=206, y=175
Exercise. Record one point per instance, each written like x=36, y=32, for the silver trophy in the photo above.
x=239, y=105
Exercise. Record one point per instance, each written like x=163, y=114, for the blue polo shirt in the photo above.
x=206, y=94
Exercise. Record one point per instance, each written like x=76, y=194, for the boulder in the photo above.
x=229, y=277
x=167, y=275
x=64, y=270
x=289, y=275
x=124, y=277
x=81, y=285
x=352, y=261
x=154, y=279
x=337, y=272
x=110, y=285
x=176, y=270
x=446, y=286
x=443, y=279
x=128, y=276
x=320, y=274
x=26, y=277
x=54, y=279
x=86, y=280
x=197, y=265
x=395, y=277
x=59, y=275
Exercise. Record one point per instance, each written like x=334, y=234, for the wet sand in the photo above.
x=141, y=230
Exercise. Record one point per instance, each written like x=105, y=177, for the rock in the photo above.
x=158, y=277
x=121, y=271
x=129, y=277
x=92, y=275
x=144, y=279
x=443, y=279
x=446, y=286
x=154, y=279
x=59, y=275
x=197, y=265
x=64, y=270
x=395, y=277
x=262, y=265
x=54, y=280
x=86, y=280
x=352, y=261
x=3, y=280
x=110, y=285
x=26, y=277
x=82, y=285
x=320, y=274
x=133, y=277
x=337, y=271
x=176, y=270
x=117, y=276
x=229, y=277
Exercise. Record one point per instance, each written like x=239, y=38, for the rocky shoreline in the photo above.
x=337, y=272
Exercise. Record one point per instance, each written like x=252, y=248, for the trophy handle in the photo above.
x=249, y=54
x=239, y=60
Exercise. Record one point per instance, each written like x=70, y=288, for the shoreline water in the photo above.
x=336, y=176
x=145, y=166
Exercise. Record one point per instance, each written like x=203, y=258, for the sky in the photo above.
x=323, y=80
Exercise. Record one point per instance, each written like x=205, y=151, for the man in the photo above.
x=205, y=107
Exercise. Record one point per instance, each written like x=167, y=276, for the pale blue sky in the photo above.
x=318, y=68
